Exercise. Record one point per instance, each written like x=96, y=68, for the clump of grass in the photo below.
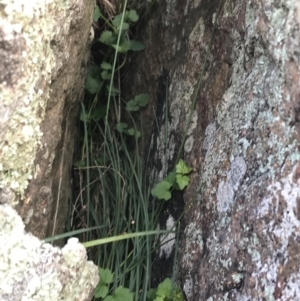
x=111, y=212
x=112, y=200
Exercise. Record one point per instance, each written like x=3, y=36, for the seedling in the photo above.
x=165, y=292
x=178, y=179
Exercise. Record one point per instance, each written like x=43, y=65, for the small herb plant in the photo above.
x=165, y=292
x=102, y=289
x=121, y=23
x=118, y=39
x=177, y=179
x=112, y=195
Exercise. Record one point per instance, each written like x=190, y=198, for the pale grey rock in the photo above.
x=31, y=270
x=44, y=47
x=44, y=50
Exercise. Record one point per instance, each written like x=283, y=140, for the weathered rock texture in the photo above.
x=43, y=56
x=241, y=239
x=44, y=51
x=32, y=270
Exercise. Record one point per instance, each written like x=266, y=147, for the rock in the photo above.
x=240, y=238
x=43, y=54
x=32, y=270
x=44, y=50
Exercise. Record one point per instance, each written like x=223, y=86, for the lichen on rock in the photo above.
x=37, y=271
x=241, y=239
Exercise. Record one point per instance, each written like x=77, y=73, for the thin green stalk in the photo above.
x=114, y=67
x=87, y=164
x=107, y=240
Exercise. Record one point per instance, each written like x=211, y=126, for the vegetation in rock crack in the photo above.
x=110, y=211
x=177, y=179
x=164, y=292
x=111, y=204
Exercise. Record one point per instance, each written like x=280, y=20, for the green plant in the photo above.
x=119, y=40
x=102, y=289
x=177, y=179
x=165, y=292
x=112, y=197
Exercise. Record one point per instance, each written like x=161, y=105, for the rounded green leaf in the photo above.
x=132, y=106
x=136, y=45
x=142, y=99
x=112, y=89
x=162, y=190
x=182, y=168
x=164, y=288
x=106, y=66
x=97, y=13
x=105, y=75
x=101, y=291
x=117, y=22
x=106, y=276
x=132, y=15
x=120, y=294
x=171, y=177
x=106, y=37
x=182, y=181
x=93, y=80
x=121, y=126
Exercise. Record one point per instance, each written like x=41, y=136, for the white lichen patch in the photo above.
x=167, y=242
x=193, y=123
x=225, y=196
x=188, y=287
x=210, y=133
x=196, y=36
x=237, y=172
x=193, y=234
x=188, y=145
x=31, y=270
x=225, y=193
x=287, y=190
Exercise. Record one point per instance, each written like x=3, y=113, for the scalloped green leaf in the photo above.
x=105, y=75
x=182, y=181
x=162, y=190
x=136, y=45
x=117, y=22
x=142, y=99
x=171, y=178
x=106, y=276
x=132, y=106
x=182, y=168
x=107, y=37
x=120, y=294
x=121, y=126
x=106, y=66
x=93, y=80
x=97, y=13
x=133, y=132
x=101, y=291
x=132, y=15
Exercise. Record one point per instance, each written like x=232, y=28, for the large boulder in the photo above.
x=240, y=238
x=44, y=50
